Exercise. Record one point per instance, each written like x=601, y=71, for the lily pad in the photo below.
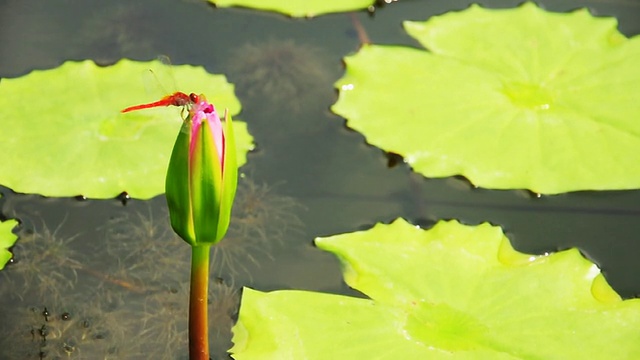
x=65, y=135
x=7, y=239
x=298, y=8
x=517, y=98
x=451, y=292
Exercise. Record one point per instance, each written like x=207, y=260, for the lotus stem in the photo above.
x=198, y=321
x=357, y=26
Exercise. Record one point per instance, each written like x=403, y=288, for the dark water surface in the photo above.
x=113, y=278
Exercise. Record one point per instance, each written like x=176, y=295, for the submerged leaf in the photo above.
x=65, y=135
x=451, y=292
x=299, y=8
x=518, y=98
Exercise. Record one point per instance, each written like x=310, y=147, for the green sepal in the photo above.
x=177, y=187
x=206, y=186
x=229, y=176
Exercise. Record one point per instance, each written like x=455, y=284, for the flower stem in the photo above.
x=198, y=322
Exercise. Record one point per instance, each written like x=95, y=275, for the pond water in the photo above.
x=107, y=279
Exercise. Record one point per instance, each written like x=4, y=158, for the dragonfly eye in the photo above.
x=194, y=98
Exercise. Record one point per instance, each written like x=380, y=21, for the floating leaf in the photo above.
x=517, y=98
x=65, y=136
x=7, y=239
x=299, y=8
x=451, y=292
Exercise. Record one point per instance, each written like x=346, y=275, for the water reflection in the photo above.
x=121, y=290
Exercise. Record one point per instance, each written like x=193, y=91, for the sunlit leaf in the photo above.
x=299, y=8
x=518, y=98
x=64, y=135
x=7, y=239
x=451, y=292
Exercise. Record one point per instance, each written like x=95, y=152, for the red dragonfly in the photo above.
x=176, y=99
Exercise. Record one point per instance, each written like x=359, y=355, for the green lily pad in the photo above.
x=298, y=8
x=517, y=98
x=451, y=292
x=65, y=135
x=7, y=239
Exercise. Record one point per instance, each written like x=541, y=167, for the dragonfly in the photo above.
x=178, y=98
